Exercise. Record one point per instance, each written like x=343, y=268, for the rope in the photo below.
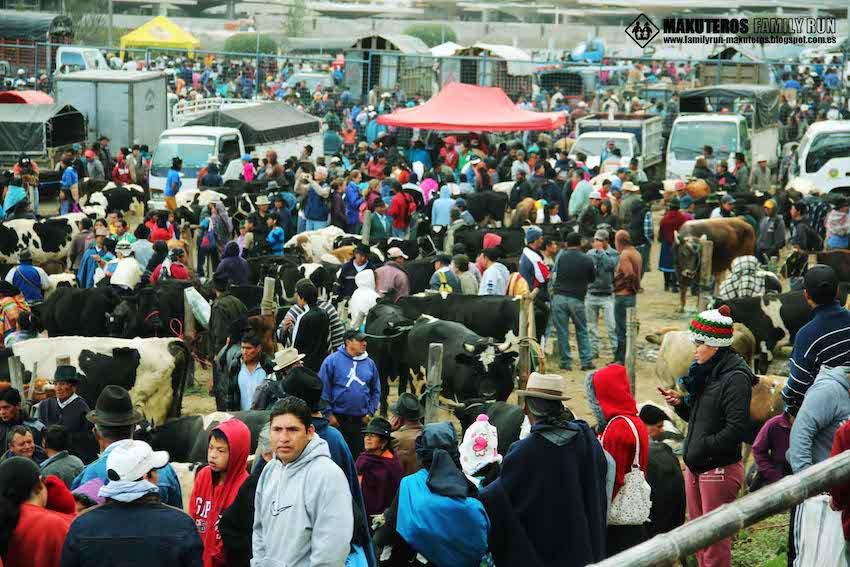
x=401, y=331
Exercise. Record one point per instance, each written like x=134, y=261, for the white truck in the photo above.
x=229, y=133
x=730, y=119
x=635, y=135
x=823, y=157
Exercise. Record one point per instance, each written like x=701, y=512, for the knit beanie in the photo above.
x=532, y=234
x=713, y=327
x=480, y=446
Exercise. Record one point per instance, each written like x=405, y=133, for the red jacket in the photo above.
x=671, y=222
x=209, y=500
x=611, y=387
x=401, y=208
x=38, y=538
x=841, y=492
x=158, y=233
x=121, y=173
x=178, y=272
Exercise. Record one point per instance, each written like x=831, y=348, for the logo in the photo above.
x=150, y=100
x=642, y=31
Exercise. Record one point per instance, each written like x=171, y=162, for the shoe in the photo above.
x=588, y=367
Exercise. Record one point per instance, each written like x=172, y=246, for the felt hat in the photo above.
x=407, y=407
x=544, y=386
x=379, y=426
x=66, y=373
x=305, y=384
x=114, y=408
x=713, y=327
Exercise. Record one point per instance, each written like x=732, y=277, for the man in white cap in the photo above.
x=124, y=272
x=258, y=218
x=760, y=176
x=544, y=476
x=138, y=524
x=392, y=274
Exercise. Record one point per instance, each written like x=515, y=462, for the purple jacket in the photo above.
x=770, y=447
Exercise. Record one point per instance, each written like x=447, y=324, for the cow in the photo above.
x=525, y=210
x=487, y=315
x=314, y=243
x=154, y=371
x=487, y=206
x=186, y=438
x=190, y=203
x=677, y=353
x=774, y=319
x=322, y=278
x=838, y=260
x=473, y=366
x=154, y=311
x=128, y=198
x=48, y=239
x=419, y=271
x=59, y=280
x=513, y=240
x=77, y=311
x=732, y=237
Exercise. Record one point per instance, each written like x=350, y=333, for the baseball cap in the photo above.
x=820, y=277
x=727, y=199
x=395, y=252
x=354, y=334
x=769, y=204
x=601, y=235
x=595, y=195
x=131, y=460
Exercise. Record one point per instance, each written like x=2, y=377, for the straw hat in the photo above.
x=544, y=386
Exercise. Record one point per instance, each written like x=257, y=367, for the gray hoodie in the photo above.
x=825, y=407
x=605, y=261
x=303, y=513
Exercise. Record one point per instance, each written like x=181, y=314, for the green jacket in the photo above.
x=380, y=230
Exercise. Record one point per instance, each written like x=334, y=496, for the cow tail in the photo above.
x=182, y=376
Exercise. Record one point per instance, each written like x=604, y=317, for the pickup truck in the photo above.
x=636, y=135
x=823, y=156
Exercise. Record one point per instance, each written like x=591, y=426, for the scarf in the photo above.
x=698, y=374
x=127, y=491
x=63, y=405
x=541, y=271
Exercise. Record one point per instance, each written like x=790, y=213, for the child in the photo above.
x=378, y=469
x=218, y=483
x=276, y=238
x=247, y=168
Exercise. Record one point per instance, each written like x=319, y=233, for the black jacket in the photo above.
x=230, y=385
x=347, y=273
x=311, y=337
x=574, y=272
x=237, y=522
x=589, y=219
x=719, y=417
x=635, y=225
x=520, y=191
x=804, y=236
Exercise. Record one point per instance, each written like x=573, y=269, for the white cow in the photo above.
x=316, y=243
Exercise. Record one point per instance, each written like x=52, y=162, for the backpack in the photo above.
x=445, y=287
x=632, y=504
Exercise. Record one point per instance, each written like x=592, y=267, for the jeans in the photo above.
x=593, y=304
x=621, y=303
x=707, y=491
x=564, y=309
x=400, y=232
x=351, y=427
x=644, y=256
x=315, y=224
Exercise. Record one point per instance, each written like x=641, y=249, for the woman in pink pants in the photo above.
x=717, y=409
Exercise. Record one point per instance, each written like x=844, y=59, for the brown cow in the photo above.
x=697, y=189
x=732, y=237
x=677, y=352
x=524, y=211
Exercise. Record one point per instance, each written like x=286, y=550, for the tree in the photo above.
x=247, y=43
x=293, y=25
x=432, y=34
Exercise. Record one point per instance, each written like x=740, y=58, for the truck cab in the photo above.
x=70, y=58
x=823, y=157
x=592, y=144
x=195, y=145
x=725, y=133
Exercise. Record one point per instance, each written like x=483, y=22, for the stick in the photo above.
x=267, y=303
x=16, y=373
x=631, y=345
x=523, y=362
x=367, y=227
x=705, y=274
x=434, y=380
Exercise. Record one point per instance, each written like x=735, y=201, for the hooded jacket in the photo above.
x=441, y=207
x=609, y=396
x=210, y=498
x=302, y=511
x=353, y=200
x=232, y=266
x=825, y=407
x=363, y=299
x=627, y=273
x=351, y=385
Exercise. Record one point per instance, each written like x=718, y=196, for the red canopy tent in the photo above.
x=469, y=108
x=25, y=97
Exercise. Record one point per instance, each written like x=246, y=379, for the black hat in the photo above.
x=220, y=282
x=362, y=249
x=114, y=408
x=407, y=407
x=305, y=384
x=444, y=259
x=354, y=334
x=820, y=277
x=652, y=415
x=66, y=373
x=379, y=426
x=25, y=255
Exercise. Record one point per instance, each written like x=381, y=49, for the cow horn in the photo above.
x=469, y=348
x=675, y=235
x=504, y=346
x=704, y=237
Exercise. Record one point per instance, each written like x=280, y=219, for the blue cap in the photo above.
x=686, y=201
x=246, y=157
x=76, y=147
x=460, y=202
x=533, y=234
x=622, y=170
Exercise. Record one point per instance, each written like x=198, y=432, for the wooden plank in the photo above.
x=267, y=303
x=524, y=359
x=434, y=380
x=367, y=227
x=631, y=346
x=16, y=372
x=705, y=274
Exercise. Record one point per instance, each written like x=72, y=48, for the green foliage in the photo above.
x=431, y=34
x=293, y=25
x=247, y=43
x=762, y=545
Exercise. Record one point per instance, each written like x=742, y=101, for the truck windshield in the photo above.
x=195, y=153
x=595, y=146
x=826, y=147
x=688, y=138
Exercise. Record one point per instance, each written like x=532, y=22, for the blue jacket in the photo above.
x=28, y=280
x=276, y=239
x=315, y=208
x=85, y=274
x=169, y=486
x=332, y=142
x=353, y=200
x=441, y=209
x=351, y=387
x=144, y=533
x=420, y=155
x=172, y=183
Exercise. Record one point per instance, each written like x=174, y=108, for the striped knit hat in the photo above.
x=713, y=327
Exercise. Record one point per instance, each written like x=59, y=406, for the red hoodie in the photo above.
x=841, y=492
x=208, y=501
x=611, y=386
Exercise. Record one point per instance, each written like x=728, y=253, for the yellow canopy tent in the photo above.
x=160, y=32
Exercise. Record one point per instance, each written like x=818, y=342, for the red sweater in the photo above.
x=401, y=208
x=178, y=272
x=38, y=538
x=611, y=387
x=210, y=499
x=841, y=492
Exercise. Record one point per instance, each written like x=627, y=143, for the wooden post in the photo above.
x=729, y=519
x=631, y=345
x=31, y=391
x=434, y=380
x=705, y=274
x=367, y=227
x=267, y=303
x=449, y=242
x=16, y=373
x=189, y=330
x=813, y=260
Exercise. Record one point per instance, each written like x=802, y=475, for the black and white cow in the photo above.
x=154, y=371
x=487, y=315
x=156, y=311
x=387, y=328
x=513, y=240
x=48, y=239
x=77, y=311
x=128, y=198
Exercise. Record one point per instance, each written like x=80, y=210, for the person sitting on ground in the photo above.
x=770, y=450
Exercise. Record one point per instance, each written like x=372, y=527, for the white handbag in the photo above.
x=632, y=504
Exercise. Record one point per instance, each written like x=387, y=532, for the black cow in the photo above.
x=486, y=204
x=758, y=314
x=77, y=311
x=487, y=315
x=186, y=438
x=250, y=295
x=838, y=260
x=473, y=366
x=323, y=277
x=156, y=311
x=387, y=329
x=419, y=272
x=513, y=240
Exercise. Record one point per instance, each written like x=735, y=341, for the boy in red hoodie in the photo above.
x=218, y=483
x=841, y=492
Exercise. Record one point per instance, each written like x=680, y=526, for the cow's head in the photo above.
x=122, y=321
x=688, y=255
x=491, y=370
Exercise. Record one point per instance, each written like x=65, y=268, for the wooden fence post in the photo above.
x=705, y=274
x=434, y=380
x=16, y=373
x=631, y=345
x=189, y=326
x=367, y=227
x=813, y=260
